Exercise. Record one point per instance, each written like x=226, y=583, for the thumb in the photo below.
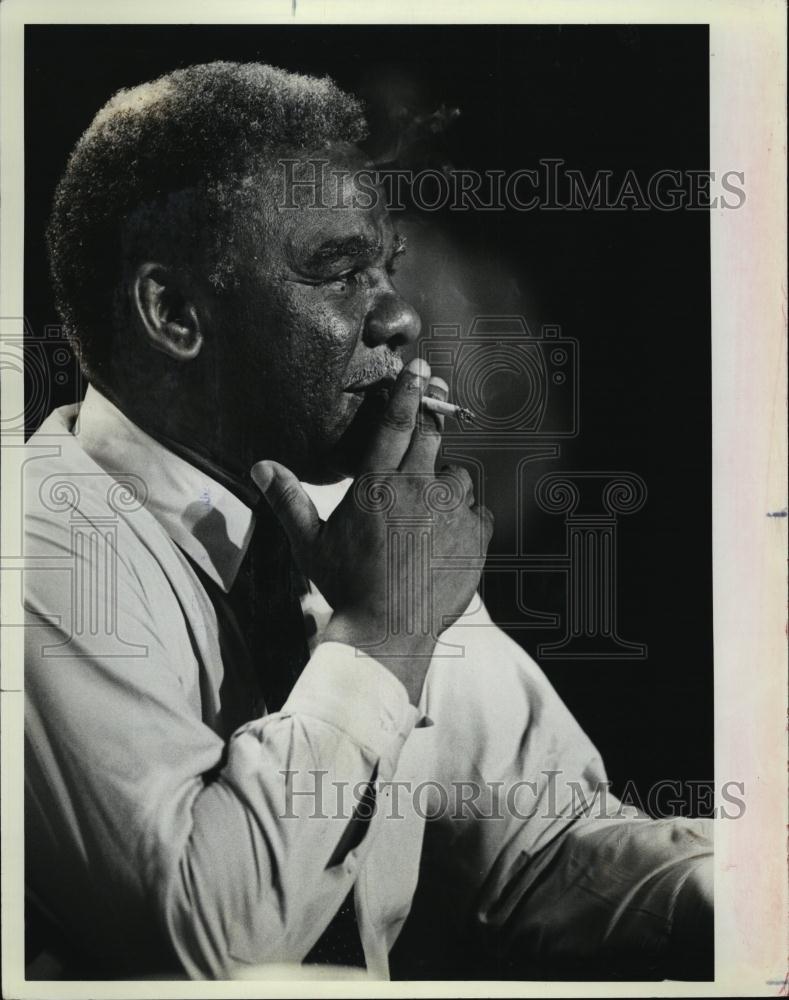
x=288, y=500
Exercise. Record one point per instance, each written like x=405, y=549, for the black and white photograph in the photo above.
x=374, y=474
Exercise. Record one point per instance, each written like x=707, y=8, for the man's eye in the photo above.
x=342, y=282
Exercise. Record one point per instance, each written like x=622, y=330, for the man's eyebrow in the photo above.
x=334, y=250
x=340, y=249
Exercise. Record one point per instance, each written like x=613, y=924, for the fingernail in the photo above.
x=437, y=387
x=420, y=367
x=262, y=473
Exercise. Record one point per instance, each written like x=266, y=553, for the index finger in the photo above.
x=397, y=424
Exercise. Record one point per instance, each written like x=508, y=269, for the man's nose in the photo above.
x=391, y=321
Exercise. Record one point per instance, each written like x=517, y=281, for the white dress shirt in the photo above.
x=150, y=830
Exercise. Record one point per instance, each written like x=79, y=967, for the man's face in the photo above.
x=315, y=320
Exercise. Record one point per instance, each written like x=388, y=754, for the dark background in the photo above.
x=632, y=287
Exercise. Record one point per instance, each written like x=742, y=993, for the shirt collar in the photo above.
x=203, y=517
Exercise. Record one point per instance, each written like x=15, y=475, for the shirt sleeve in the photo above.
x=147, y=833
x=614, y=896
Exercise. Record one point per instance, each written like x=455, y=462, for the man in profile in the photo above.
x=230, y=701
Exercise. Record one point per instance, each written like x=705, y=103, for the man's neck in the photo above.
x=246, y=491
x=166, y=431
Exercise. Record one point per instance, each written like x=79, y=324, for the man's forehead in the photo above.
x=327, y=199
x=319, y=200
x=333, y=175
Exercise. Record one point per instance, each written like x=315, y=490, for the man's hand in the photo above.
x=400, y=558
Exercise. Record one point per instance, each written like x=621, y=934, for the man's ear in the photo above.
x=169, y=319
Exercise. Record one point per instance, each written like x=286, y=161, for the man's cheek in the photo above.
x=340, y=324
x=330, y=365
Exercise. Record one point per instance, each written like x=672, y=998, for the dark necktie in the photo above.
x=266, y=600
x=261, y=627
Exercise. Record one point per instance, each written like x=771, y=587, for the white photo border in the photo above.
x=748, y=288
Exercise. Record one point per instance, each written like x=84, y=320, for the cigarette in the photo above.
x=452, y=409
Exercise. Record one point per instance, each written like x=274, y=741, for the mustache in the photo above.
x=383, y=367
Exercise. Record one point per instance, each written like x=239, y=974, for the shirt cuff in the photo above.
x=345, y=688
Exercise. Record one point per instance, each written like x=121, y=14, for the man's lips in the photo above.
x=380, y=386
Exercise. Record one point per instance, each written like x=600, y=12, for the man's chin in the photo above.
x=329, y=463
x=342, y=461
x=346, y=457
x=343, y=456
x=325, y=475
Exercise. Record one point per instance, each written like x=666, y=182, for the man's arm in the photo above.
x=536, y=868
x=142, y=818
x=146, y=830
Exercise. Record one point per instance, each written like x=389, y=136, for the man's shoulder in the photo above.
x=54, y=448
x=83, y=526
x=74, y=510
x=61, y=481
